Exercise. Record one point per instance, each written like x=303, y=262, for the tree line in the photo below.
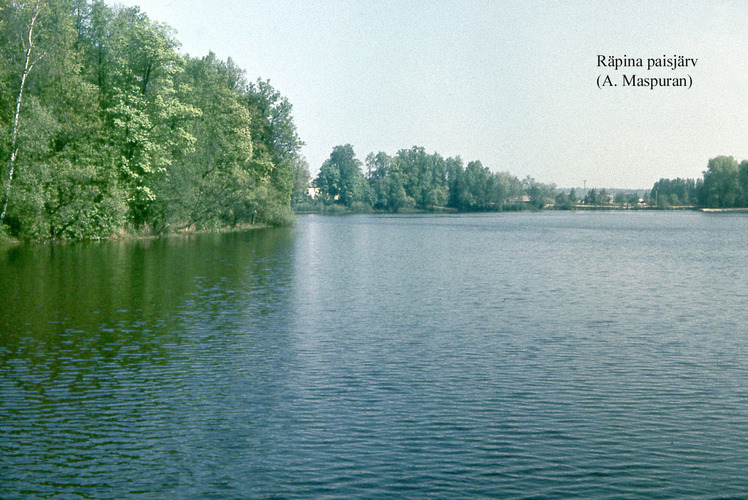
x=724, y=185
x=105, y=128
x=413, y=179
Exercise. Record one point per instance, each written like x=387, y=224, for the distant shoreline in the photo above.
x=727, y=210
x=340, y=210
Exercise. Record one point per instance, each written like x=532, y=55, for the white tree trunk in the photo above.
x=28, y=65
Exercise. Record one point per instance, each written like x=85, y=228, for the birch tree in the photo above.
x=30, y=60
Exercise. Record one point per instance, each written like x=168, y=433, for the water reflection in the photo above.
x=119, y=360
x=566, y=355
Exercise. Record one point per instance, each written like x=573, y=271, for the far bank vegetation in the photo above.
x=414, y=180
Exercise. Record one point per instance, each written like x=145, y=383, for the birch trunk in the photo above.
x=27, y=67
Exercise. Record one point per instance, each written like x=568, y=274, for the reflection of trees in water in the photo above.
x=122, y=363
x=66, y=309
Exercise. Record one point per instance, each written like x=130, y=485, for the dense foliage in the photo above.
x=105, y=127
x=725, y=185
x=673, y=192
x=415, y=179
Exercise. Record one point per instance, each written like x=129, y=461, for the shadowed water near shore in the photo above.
x=543, y=354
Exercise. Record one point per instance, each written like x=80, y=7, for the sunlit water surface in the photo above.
x=509, y=355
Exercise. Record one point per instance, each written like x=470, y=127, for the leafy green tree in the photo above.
x=104, y=126
x=473, y=186
x=675, y=191
x=540, y=194
x=82, y=198
x=329, y=180
x=387, y=183
x=64, y=189
x=562, y=201
x=424, y=176
x=477, y=188
x=380, y=172
x=301, y=180
x=208, y=186
x=743, y=181
x=455, y=170
x=274, y=136
x=573, y=199
x=721, y=185
x=29, y=14
x=147, y=121
x=592, y=197
x=340, y=178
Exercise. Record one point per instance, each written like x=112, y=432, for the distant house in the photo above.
x=523, y=198
x=313, y=192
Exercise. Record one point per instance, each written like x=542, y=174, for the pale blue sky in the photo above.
x=510, y=83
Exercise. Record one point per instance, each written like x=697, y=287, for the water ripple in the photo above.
x=477, y=356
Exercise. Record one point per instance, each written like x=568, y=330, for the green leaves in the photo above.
x=721, y=183
x=340, y=177
x=119, y=130
x=414, y=178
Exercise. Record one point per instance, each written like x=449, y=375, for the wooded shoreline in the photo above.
x=107, y=131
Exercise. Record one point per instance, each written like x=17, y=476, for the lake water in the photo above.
x=545, y=355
